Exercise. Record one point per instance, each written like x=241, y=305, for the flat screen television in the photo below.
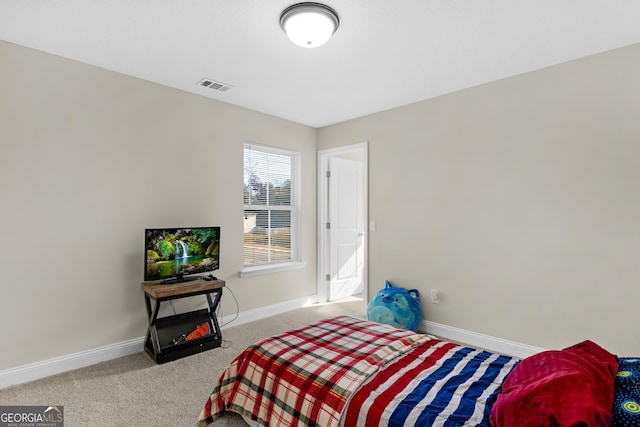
x=176, y=255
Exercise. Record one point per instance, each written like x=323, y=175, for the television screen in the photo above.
x=173, y=253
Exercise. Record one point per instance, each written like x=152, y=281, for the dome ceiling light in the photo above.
x=309, y=24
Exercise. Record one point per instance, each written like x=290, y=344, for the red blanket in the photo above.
x=568, y=388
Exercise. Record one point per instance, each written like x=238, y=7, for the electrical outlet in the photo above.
x=435, y=298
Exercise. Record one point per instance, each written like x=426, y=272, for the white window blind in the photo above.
x=269, y=205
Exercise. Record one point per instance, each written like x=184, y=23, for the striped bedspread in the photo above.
x=305, y=377
x=437, y=384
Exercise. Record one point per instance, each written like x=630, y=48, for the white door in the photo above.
x=346, y=228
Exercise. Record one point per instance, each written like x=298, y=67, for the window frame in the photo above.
x=294, y=207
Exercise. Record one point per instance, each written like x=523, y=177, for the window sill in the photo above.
x=271, y=268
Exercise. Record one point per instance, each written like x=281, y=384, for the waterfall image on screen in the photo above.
x=178, y=252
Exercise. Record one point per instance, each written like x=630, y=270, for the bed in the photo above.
x=346, y=371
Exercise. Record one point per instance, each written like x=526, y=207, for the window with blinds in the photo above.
x=269, y=205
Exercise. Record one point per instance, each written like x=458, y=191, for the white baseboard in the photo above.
x=46, y=368
x=266, y=311
x=475, y=339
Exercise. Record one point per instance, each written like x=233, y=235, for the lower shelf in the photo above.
x=167, y=329
x=177, y=352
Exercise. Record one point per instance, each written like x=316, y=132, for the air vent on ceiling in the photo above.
x=215, y=85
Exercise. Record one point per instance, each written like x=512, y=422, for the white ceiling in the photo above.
x=386, y=53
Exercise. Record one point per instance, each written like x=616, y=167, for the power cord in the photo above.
x=227, y=343
x=219, y=314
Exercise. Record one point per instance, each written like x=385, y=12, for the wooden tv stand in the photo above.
x=162, y=331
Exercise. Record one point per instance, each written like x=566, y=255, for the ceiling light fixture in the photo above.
x=309, y=24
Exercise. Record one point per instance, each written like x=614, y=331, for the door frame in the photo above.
x=323, y=215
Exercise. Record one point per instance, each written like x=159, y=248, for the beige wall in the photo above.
x=517, y=200
x=88, y=159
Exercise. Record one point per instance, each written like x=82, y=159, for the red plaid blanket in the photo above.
x=305, y=377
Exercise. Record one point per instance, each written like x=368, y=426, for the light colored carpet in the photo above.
x=135, y=391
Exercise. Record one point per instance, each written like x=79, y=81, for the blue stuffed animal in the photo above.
x=396, y=306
